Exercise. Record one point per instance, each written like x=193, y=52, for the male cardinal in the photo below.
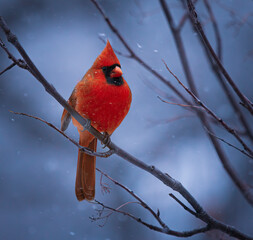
x=104, y=97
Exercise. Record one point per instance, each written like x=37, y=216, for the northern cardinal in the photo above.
x=104, y=97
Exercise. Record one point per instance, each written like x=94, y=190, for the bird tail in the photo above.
x=85, y=174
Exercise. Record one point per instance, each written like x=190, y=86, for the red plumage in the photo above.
x=104, y=97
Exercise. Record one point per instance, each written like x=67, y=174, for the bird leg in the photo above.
x=106, y=141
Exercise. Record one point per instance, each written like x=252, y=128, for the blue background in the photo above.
x=37, y=165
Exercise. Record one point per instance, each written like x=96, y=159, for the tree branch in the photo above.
x=8, y=68
x=231, y=145
x=155, y=228
x=207, y=44
x=143, y=204
x=18, y=62
x=84, y=149
x=165, y=229
x=183, y=205
x=221, y=80
x=215, y=28
x=211, y=113
x=242, y=186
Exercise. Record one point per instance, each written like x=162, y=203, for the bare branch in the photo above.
x=104, y=186
x=224, y=85
x=143, y=204
x=159, y=91
x=183, y=205
x=179, y=104
x=237, y=21
x=101, y=211
x=165, y=229
x=8, y=68
x=183, y=19
x=18, y=62
x=84, y=149
x=155, y=228
x=229, y=144
x=153, y=123
x=211, y=113
x=188, y=107
x=242, y=186
x=216, y=29
x=207, y=44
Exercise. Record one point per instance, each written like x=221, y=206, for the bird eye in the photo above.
x=104, y=69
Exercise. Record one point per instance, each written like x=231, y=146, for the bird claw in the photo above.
x=106, y=140
x=87, y=125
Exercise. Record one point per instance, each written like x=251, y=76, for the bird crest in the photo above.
x=106, y=58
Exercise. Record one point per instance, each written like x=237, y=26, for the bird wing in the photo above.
x=66, y=117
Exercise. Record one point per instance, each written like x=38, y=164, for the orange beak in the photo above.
x=116, y=72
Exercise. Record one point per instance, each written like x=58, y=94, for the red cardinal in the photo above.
x=104, y=97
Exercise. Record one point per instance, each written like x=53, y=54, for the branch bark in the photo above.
x=84, y=149
x=242, y=186
x=163, y=227
x=211, y=113
x=219, y=76
x=200, y=31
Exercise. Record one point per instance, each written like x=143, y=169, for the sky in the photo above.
x=38, y=165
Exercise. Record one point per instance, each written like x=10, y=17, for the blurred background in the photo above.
x=38, y=165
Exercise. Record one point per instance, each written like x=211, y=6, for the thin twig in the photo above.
x=84, y=149
x=155, y=215
x=242, y=186
x=207, y=44
x=215, y=28
x=211, y=113
x=193, y=106
x=224, y=84
x=159, y=91
x=8, y=68
x=237, y=20
x=183, y=20
x=100, y=212
x=179, y=104
x=18, y=62
x=183, y=205
x=153, y=123
x=104, y=186
x=155, y=228
x=229, y=144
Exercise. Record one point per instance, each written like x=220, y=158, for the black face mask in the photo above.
x=118, y=81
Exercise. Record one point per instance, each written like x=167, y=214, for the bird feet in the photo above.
x=106, y=141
